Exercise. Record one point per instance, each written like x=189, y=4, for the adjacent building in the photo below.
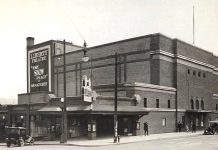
x=161, y=81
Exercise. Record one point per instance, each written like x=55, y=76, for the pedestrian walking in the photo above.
x=146, y=128
x=193, y=128
x=179, y=125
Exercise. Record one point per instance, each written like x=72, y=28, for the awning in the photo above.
x=97, y=109
x=203, y=111
x=50, y=109
x=108, y=109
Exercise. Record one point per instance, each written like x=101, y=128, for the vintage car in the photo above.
x=212, y=128
x=17, y=136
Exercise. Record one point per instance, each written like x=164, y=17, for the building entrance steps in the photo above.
x=123, y=139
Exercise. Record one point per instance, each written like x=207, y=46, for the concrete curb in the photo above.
x=125, y=140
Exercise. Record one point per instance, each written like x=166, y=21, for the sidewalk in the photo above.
x=123, y=139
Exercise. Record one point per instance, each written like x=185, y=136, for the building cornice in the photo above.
x=151, y=87
x=178, y=110
x=184, y=60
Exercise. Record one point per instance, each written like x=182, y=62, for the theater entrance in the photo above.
x=105, y=125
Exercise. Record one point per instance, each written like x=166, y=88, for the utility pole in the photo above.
x=115, y=102
x=64, y=112
x=193, y=25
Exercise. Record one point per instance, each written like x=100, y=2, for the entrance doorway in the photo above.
x=105, y=126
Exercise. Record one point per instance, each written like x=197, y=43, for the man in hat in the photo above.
x=146, y=128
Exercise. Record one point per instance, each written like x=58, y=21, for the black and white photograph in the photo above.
x=109, y=74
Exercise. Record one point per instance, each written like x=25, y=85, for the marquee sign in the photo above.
x=39, y=69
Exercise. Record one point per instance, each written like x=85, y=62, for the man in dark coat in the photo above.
x=193, y=127
x=179, y=125
x=146, y=128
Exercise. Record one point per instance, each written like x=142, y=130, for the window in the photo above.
x=216, y=107
x=204, y=75
x=164, y=122
x=157, y=103
x=83, y=91
x=168, y=103
x=192, y=104
x=202, y=104
x=145, y=102
x=199, y=74
x=197, y=104
x=194, y=73
x=188, y=71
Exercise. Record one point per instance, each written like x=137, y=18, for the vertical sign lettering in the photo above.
x=39, y=70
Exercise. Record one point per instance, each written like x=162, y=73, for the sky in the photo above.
x=97, y=22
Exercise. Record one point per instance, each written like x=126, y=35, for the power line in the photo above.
x=70, y=19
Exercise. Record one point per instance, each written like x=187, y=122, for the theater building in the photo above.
x=161, y=81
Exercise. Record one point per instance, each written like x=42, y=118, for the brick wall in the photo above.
x=152, y=96
x=167, y=73
x=166, y=44
x=155, y=122
x=133, y=65
x=191, y=86
x=193, y=52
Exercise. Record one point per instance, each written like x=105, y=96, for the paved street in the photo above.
x=201, y=142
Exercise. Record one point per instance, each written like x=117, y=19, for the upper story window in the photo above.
x=168, y=103
x=192, y=104
x=202, y=104
x=194, y=73
x=204, y=75
x=157, y=103
x=145, y=102
x=216, y=107
x=199, y=74
x=188, y=71
x=197, y=104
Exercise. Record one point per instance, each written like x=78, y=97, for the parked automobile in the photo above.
x=212, y=128
x=17, y=136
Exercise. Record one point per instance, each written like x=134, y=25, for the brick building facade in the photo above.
x=176, y=82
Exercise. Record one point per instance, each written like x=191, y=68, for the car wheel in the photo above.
x=21, y=144
x=32, y=142
x=8, y=144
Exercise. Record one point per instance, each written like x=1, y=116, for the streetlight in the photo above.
x=3, y=117
x=21, y=120
x=86, y=59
